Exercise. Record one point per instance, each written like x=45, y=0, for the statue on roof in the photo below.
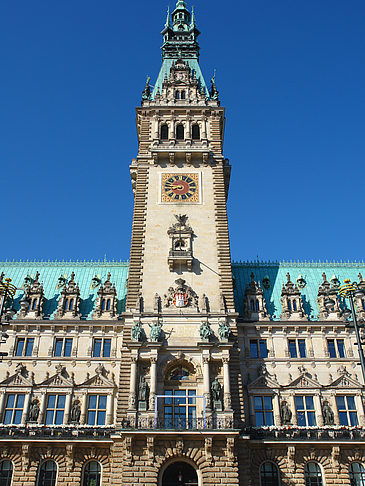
x=146, y=94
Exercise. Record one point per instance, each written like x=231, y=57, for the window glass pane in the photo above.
x=311, y=419
x=299, y=403
x=343, y=418
x=293, y=348
x=351, y=403
x=20, y=401
x=68, y=347
x=268, y=403
x=18, y=416
x=260, y=419
x=51, y=401
x=49, y=417
x=107, y=345
x=10, y=401
x=263, y=348
x=309, y=403
x=302, y=350
x=353, y=419
x=58, y=347
x=101, y=418
x=301, y=419
x=258, y=403
x=92, y=401
x=91, y=417
x=102, y=401
x=254, y=351
x=340, y=403
x=61, y=401
x=341, y=348
x=8, y=416
x=59, y=417
x=269, y=418
x=20, y=347
x=331, y=348
x=97, y=348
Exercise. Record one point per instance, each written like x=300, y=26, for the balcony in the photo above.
x=306, y=433
x=180, y=257
x=179, y=424
x=55, y=432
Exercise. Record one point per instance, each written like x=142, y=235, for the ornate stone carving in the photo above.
x=328, y=290
x=106, y=304
x=216, y=392
x=285, y=413
x=208, y=446
x=156, y=332
x=205, y=331
x=180, y=296
x=255, y=305
x=32, y=300
x=181, y=235
x=69, y=303
x=137, y=333
x=291, y=301
x=224, y=331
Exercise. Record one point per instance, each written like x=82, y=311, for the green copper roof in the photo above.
x=311, y=272
x=84, y=273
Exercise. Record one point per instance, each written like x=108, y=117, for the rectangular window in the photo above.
x=180, y=409
x=96, y=410
x=14, y=409
x=297, y=348
x=263, y=411
x=101, y=347
x=336, y=348
x=258, y=348
x=55, y=409
x=347, y=410
x=63, y=347
x=24, y=347
x=306, y=416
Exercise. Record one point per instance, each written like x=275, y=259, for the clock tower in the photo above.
x=180, y=320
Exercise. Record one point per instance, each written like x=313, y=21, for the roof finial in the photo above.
x=192, y=23
x=168, y=18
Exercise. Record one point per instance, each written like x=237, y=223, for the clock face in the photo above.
x=180, y=187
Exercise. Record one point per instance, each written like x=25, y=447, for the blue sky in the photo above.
x=290, y=74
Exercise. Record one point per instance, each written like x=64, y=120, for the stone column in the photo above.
x=155, y=127
x=2, y=404
x=83, y=409
x=188, y=129
x=206, y=377
x=42, y=407
x=227, y=383
x=25, y=409
x=153, y=376
x=109, y=409
x=67, y=408
x=318, y=410
x=293, y=409
x=360, y=408
x=204, y=127
x=133, y=384
x=276, y=409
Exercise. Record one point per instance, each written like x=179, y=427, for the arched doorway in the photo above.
x=180, y=474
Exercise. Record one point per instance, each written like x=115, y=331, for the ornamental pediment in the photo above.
x=264, y=381
x=17, y=379
x=345, y=381
x=60, y=378
x=100, y=379
x=304, y=381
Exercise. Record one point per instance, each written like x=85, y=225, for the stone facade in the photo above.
x=180, y=368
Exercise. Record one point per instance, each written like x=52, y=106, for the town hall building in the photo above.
x=180, y=367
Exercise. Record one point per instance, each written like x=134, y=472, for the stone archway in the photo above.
x=180, y=474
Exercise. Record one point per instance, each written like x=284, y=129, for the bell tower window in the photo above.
x=195, y=132
x=180, y=132
x=164, y=132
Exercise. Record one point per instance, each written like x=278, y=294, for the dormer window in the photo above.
x=180, y=132
x=177, y=95
x=195, y=132
x=164, y=132
x=183, y=96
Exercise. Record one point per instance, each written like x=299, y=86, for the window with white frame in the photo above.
x=258, y=348
x=264, y=414
x=24, y=346
x=357, y=474
x=336, y=348
x=297, y=348
x=306, y=416
x=347, y=410
x=101, y=347
x=55, y=409
x=62, y=347
x=180, y=409
x=96, y=412
x=14, y=408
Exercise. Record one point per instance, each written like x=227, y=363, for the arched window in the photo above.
x=312, y=474
x=102, y=304
x=71, y=306
x=294, y=305
x=195, y=132
x=269, y=474
x=92, y=474
x=164, y=132
x=183, y=96
x=66, y=304
x=47, y=474
x=177, y=95
x=289, y=305
x=257, y=306
x=108, y=304
x=34, y=306
x=252, y=304
x=6, y=472
x=357, y=474
x=180, y=132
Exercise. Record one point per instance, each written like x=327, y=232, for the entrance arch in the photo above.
x=180, y=474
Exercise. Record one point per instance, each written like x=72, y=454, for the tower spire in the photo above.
x=168, y=18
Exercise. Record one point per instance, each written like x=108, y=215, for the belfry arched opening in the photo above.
x=180, y=474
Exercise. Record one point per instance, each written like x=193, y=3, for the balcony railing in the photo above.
x=180, y=254
x=305, y=433
x=209, y=423
x=55, y=432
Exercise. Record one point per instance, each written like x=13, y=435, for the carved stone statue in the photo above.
x=205, y=331
x=328, y=415
x=75, y=412
x=285, y=413
x=137, y=332
x=156, y=332
x=224, y=331
x=216, y=390
x=143, y=389
x=33, y=411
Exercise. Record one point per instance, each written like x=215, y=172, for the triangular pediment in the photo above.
x=304, y=381
x=57, y=380
x=264, y=381
x=345, y=381
x=17, y=379
x=98, y=381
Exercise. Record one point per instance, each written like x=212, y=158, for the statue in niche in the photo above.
x=137, y=332
x=142, y=394
x=216, y=389
x=224, y=331
x=205, y=331
x=328, y=415
x=156, y=332
x=34, y=411
x=75, y=412
x=285, y=413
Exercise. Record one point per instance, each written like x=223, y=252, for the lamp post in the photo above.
x=349, y=290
